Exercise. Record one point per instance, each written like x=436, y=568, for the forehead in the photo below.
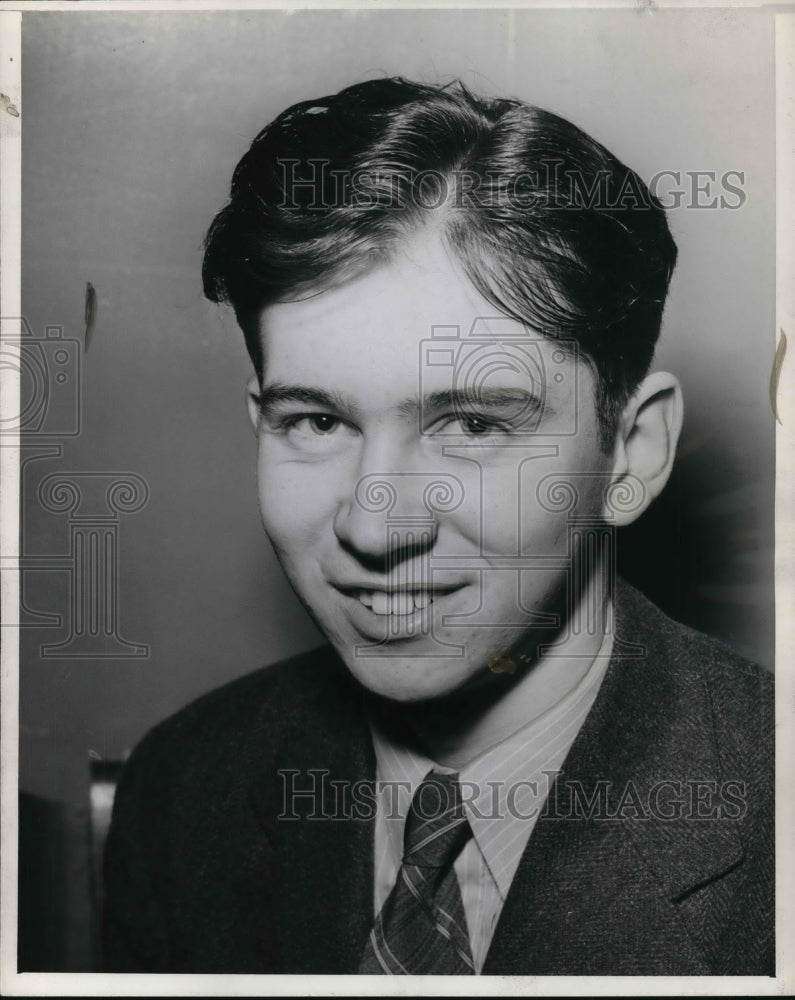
x=421, y=287
x=376, y=334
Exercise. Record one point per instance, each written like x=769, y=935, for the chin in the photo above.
x=409, y=679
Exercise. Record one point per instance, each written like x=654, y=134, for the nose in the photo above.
x=387, y=518
x=381, y=528
x=378, y=543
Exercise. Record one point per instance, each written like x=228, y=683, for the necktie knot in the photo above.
x=436, y=826
x=422, y=928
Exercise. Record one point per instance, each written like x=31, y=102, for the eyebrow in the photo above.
x=274, y=393
x=494, y=397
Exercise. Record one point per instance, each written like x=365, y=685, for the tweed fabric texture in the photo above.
x=207, y=871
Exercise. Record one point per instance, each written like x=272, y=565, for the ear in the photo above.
x=252, y=402
x=646, y=445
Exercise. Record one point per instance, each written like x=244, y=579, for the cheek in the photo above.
x=499, y=514
x=293, y=506
x=502, y=512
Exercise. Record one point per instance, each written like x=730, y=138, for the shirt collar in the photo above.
x=505, y=786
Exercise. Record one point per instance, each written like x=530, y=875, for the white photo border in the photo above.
x=13, y=983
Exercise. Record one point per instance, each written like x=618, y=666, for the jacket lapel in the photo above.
x=317, y=807
x=596, y=888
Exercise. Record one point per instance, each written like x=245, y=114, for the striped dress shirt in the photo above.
x=504, y=789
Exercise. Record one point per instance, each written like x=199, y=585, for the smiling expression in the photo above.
x=406, y=431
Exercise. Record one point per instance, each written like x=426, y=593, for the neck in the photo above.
x=456, y=729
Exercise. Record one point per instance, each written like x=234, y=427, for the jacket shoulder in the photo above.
x=685, y=650
x=696, y=669
x=232, y=711
x=208, y=747
x=184, y=835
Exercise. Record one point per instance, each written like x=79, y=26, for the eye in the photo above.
x=315, y=433
x=310, y=424
x=322, y=423
x=475, y=425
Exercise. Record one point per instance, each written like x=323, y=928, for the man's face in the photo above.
x=406, y=480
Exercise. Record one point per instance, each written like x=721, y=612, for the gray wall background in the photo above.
x=132, y=125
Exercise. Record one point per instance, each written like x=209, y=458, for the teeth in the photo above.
x=395, y=604
x=381, y=604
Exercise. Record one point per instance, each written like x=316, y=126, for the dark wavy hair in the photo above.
x=548, y=225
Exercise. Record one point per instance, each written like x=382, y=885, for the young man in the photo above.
x=507, y=761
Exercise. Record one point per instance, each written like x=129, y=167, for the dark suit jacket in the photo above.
x=201, y=876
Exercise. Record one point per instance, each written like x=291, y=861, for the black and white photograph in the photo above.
x=395, y=510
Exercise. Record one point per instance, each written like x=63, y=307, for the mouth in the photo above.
x=397, y=602
x=405, y=602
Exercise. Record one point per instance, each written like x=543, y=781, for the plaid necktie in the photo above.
x=421, y=929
